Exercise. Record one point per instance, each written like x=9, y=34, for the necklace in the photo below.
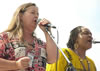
x=81, y=61
x=29, y=44
x=33, y=45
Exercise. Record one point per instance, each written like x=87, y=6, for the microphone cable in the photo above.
x=52, y=36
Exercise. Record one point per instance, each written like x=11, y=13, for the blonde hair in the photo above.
x=15, y=28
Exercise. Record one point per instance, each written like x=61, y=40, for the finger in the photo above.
x=25, y=65
x=25, y=59
x=44, y=21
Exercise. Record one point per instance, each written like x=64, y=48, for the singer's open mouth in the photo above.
x=35, y=21
x=90, y=41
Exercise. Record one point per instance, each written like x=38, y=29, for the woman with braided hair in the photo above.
x=79, y=42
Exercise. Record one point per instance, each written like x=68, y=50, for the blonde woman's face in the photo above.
x=29, y=18
x=85, y=38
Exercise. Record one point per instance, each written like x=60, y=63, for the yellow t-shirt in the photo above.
x=74, y=58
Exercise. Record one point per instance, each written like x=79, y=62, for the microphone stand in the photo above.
x=70, y=65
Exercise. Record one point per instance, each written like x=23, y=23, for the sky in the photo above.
x=65, y=15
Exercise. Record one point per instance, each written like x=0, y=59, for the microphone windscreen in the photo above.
x=38, y=20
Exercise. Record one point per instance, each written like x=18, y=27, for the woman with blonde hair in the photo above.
x=20, y=49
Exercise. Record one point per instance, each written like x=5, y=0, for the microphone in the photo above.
x=95, y=42
x=46, y=25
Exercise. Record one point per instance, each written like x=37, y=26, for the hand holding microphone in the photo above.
x=44, y=24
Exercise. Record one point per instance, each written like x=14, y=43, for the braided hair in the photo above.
x=73, y=37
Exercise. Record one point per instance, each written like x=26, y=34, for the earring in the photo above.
x=75, y=45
